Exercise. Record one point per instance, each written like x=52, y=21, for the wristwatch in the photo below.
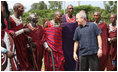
x=100, y=47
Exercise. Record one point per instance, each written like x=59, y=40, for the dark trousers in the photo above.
x=89, y=61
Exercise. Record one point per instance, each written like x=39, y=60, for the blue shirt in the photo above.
x=87, y=37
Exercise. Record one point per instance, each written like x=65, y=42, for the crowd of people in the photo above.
x=67, y=42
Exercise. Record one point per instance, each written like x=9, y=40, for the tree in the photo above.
x=41, y=5
x=88, y=8
x=55, y=4
x=45, y=14
x=110, y=6
x=90, y=11
x=34, y=6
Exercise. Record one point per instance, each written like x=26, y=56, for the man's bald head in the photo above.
x=33, y=18
x=58, y=17
x=113, y=18
x=97, y=16
x=97, y=13
x=16, y=6
x=114, y=15
x=18, y=9
x=70, y=9
x=57, y=13
x=70, y=5
x=83, y=11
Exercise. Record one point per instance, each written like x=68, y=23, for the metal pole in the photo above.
x=64, y=7
x=78, y=3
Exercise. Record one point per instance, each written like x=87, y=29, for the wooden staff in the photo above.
x=34, y=58
x=52, y=60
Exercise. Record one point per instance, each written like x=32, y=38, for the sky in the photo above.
x=28, y=3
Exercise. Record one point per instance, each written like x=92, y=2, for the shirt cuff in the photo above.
x=45, y=45
x=19, y=32
x=109, y=39
x=3, y=50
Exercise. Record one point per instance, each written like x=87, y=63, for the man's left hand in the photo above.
x=29, y=39
x=99, y=54
x=10, y=54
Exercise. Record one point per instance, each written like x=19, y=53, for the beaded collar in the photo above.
x=70, y=20
x=112, y=28
x=17, y=21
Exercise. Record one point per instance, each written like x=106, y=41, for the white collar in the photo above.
x=32, y=26
x=98, y=23
x=111, y=24
x=55, y=23
x=17, y=21
x=13, y=16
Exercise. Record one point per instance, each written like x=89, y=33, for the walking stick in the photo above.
x=77, y=67
x=111, y=54
x=34, y=58
x=52, y=60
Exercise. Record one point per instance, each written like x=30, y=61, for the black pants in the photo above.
x=89, y=61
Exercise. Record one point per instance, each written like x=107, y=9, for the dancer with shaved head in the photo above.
x=112, y=38
x=104, y=35
x=18, y=34
x=69, y=25
x=37, y=36
x=69, y=18
x=53, y=42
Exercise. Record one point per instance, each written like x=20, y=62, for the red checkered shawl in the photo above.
x=53, y=36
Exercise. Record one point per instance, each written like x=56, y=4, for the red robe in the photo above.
x=37, y=38
x=112, y=50
x=104, y=36
x=53, y=37
x=21, y=46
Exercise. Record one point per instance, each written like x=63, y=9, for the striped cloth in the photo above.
x=13, y=63
x=53, y=36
